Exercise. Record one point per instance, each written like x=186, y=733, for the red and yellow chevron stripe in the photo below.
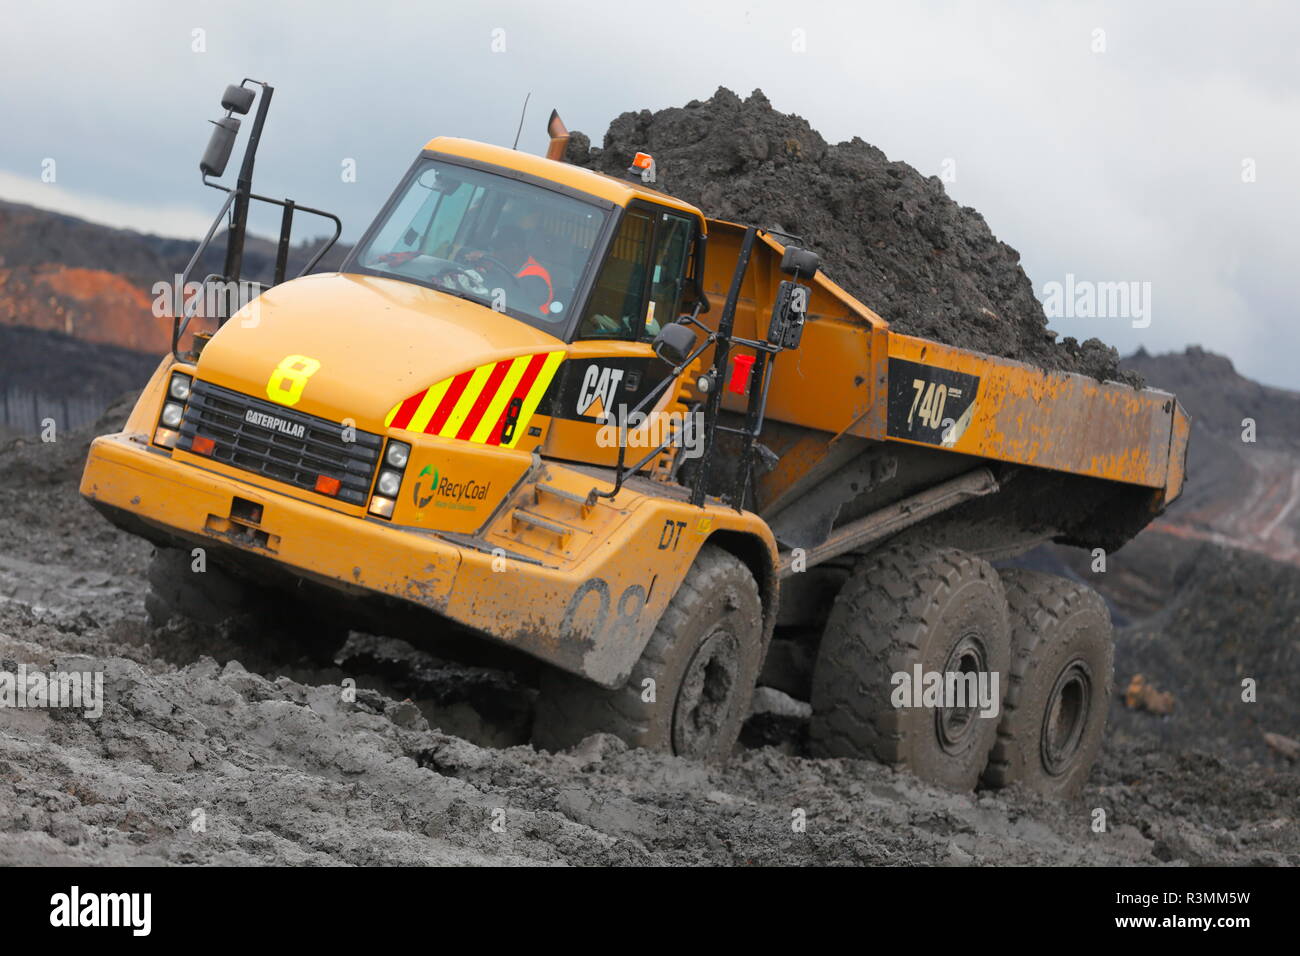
x=473, y=405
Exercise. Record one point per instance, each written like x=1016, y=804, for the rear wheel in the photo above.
x=1058, y=696
x=271, y=622
x=690, y=691
x=910, y=607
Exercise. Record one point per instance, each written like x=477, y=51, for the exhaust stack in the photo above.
x=559, y=134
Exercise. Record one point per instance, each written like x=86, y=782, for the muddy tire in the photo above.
x=177, y=590
x=1062, y=672
x=704, y=657
x=906, y=605
x=273, y=623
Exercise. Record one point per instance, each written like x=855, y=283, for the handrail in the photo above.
x=178, y=293
x=181, y=320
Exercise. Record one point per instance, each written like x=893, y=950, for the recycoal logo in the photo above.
x=446, y=492
x=422, y=501
x=76, y=909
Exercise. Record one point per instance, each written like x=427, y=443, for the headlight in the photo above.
x=172, y=414
x=390, y=482
x=399, y=454
x=180, y=387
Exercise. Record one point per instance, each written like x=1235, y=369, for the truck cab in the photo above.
x=444, y=423
x=488, y=314
x=596, y=264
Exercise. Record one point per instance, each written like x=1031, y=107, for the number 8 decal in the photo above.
x=290, y=377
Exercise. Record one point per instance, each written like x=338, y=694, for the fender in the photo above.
x=583, y=587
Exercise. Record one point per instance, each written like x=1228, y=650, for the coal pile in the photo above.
x=887, y=234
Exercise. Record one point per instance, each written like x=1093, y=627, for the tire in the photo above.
x=1058, y=696
x=273, y=623
x=177, y=590
x=704, y=658
x=906, y=605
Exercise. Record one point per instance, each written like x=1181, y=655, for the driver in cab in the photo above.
x=518, y=251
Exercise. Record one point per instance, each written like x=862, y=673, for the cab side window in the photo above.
x=616, y=304
x=641, y=283
x=668, y=270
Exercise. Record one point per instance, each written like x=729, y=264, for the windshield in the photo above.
x=513, y=246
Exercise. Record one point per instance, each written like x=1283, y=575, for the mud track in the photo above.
x=427, y=764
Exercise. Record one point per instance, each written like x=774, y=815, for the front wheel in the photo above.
x=274, y=623
x=690, y=691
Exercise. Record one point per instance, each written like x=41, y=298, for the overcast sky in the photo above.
x=1108, y=141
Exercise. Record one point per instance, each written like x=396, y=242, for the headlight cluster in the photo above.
x=389, y=483
x=173, y=410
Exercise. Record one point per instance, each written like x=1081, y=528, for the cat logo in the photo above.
x=599, y=388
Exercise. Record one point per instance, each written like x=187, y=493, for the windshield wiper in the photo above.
x=460, y=295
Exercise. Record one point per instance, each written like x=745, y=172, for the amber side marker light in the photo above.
x=202, y=445
x=327, y=485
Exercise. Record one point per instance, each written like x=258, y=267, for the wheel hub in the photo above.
x=704, y=700
x=955, y=726
x=1065, y=717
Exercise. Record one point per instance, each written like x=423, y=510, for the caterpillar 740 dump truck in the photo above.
x=560, y=420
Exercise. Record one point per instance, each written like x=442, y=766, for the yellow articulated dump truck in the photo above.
x=560, y=422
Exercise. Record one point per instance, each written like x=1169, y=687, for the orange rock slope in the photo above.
x=91, y=304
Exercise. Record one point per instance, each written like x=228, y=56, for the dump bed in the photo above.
x=853, y=384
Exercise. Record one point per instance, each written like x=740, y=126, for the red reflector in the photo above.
x=327, y=485
x=740, y=373
x=202, y=445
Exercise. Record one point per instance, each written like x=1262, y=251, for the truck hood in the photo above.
x=378, y=341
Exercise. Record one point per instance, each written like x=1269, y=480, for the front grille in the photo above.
x=304, y=449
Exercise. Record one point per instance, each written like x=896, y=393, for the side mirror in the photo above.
x=800, y=263
x=237, y=99
x=220, y=144
x=674, y=343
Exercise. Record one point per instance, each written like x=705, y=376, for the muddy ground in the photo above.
x=210, y=752
x=889, y=235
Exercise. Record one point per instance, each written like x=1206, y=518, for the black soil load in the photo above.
x=887, y=234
